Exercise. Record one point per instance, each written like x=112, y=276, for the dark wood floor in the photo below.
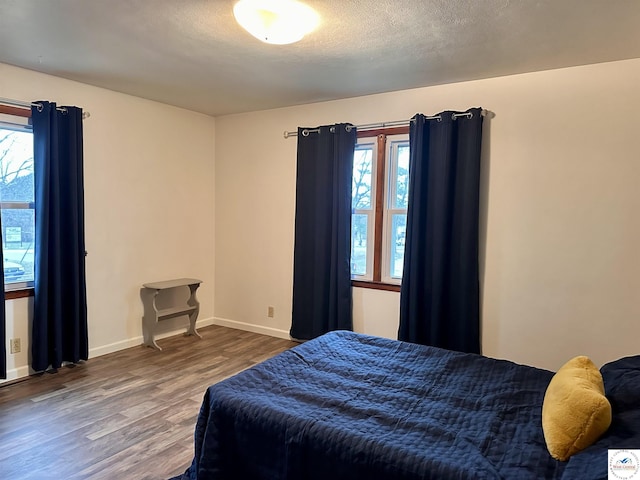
x=127, y=415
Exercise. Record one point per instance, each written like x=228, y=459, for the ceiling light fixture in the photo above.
x=276, y=21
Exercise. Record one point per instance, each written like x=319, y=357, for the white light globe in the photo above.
x=276, y=21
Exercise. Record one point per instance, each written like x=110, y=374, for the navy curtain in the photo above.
x=322, y=251
x=59, y=332
x=3, y=333
x=439, y=297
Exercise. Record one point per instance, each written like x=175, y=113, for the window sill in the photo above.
x=22, y=293
x=390, y=287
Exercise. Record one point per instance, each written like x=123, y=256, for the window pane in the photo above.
x=398, y=229
x=402, y=177
x=359, y=231
x=16, y=166
x=17, y=242
x=361, y=186
x=16, y=187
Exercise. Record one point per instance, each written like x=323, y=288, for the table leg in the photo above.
x=150, y=318
x=193, y=316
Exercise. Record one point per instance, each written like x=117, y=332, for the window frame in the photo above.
x=379, y=279
x=393, y=142
x=20, y=289
x=369, y=212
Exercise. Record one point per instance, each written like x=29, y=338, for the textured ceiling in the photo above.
x=191, y=53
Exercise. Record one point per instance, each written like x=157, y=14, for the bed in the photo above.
x=351, y=406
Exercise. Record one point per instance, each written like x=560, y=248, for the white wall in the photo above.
x=561, y=268
x=149, y=205
x=561, y=164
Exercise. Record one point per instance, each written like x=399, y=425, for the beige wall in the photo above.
x=561, y=268
x=149, y=175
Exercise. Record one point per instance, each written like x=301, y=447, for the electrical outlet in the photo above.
x=15, y=345
x=270, y=311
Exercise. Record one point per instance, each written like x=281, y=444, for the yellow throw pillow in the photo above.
x=575, y=411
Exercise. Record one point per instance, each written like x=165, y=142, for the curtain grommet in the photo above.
x=305, y=133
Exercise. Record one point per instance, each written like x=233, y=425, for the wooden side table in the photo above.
x=152, y=315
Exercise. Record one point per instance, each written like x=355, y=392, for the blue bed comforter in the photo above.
x=350, y=406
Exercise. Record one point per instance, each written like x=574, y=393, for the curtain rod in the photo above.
x=18, y=103
x=394, y=123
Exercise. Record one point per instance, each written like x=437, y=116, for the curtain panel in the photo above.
x=322, y=251
x=59, y=331
x=439, y=296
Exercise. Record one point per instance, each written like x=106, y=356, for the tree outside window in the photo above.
x=17, y=204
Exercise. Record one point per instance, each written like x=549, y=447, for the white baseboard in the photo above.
x=23, y=371
x=114, y=347
x=135, y=341
x=15, y=374
x=251, y=327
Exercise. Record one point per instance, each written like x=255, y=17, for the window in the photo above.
x=379, y=207
x=395, y=211
x=362, y=204
x=17, y=200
